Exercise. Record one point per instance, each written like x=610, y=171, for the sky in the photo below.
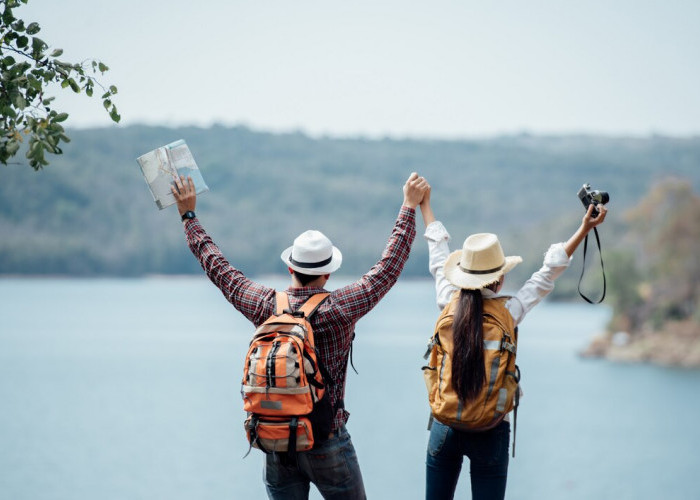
x=387, y=68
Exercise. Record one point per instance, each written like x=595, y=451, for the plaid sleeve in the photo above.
x=253, y=300
x=358, y=298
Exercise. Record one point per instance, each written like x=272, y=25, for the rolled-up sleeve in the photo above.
x=438, y=250
x=540, y=284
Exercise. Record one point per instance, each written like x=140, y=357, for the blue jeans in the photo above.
x=332, y=467
x=488, y=461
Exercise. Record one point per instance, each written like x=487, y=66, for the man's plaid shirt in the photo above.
x=334, y=322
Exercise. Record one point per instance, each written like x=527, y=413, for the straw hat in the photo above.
x=313, y=254
x=479, y=263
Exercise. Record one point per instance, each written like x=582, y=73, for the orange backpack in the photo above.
x=500, y=393
x=283, y=388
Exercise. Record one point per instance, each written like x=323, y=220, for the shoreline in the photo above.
x=676, y=345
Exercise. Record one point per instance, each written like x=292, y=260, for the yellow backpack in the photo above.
x=500, y=393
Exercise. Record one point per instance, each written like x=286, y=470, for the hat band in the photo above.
x=310, y=265
x=487, y=271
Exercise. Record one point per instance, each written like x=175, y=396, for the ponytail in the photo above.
x=468, y=372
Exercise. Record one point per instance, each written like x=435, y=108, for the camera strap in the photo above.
x=602, y=268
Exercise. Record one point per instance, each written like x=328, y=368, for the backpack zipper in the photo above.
x=271, y=364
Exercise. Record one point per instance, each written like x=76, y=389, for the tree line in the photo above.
x=90, y=212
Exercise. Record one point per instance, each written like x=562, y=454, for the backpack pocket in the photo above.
x=274, y=381
x=273, y=435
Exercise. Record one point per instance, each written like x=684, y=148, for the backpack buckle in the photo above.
x=296, y=314
x=506, y=345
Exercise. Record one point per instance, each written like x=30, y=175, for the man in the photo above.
x=333, y=465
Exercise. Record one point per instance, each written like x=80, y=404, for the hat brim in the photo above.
x=468, y=281
x=332, y=266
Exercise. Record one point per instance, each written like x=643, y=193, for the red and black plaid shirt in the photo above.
x=334, y=322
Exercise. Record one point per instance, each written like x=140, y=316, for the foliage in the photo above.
x=78, y=219
x=625, y=291
x=27, y=68
x=665, y=232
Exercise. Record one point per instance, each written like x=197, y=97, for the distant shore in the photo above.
x=677, y=345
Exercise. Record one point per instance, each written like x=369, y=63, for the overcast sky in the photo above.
x=437, y=68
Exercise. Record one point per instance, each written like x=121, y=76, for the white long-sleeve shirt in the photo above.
x=540, y=284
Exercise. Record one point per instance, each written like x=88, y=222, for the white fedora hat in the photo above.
x=312, y=253
x=479, y=263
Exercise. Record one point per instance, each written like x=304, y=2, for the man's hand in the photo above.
x=413, y=190
x=185, y=194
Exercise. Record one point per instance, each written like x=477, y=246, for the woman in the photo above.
x=471, y=278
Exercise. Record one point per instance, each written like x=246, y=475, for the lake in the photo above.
x=130, y=389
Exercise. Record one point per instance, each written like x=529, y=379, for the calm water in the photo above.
x=129, y=389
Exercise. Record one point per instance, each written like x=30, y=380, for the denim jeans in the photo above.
x=332, y=467
x=488, y=461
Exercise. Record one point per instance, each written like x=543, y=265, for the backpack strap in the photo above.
x=292, y=443
x=309, y=307
x=281, y=302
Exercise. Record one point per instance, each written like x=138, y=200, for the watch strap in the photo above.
x=188, y=215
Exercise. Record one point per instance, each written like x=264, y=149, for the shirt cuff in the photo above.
x=192, y=227
x=436, y=232
x=407, y=211
x=556, y=256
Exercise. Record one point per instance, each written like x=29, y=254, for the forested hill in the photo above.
x=90, y=212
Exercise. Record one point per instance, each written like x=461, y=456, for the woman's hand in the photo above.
x=426, y=209
x=589, y=222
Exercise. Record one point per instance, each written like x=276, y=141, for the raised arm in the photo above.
x=438, y=250
x=426, y=209
x=556, y=260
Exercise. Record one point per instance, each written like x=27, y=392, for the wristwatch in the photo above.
x=188, y=215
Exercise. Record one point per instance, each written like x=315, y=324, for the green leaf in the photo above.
x=34, y=83
x=113, y=89
x=18, y=26
x=22, y=42
x=107, y=103
x=12, y=147
x=88, y=91
x=38, y=46
x=19, y=101
x=61, y=117
x=33, y=28
x=57, y=53
x=74, y=86
x=114, y=115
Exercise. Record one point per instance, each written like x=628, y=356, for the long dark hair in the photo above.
x=468, y=372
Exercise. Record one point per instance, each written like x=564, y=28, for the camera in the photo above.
x=592, y=197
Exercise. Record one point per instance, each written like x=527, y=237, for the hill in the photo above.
x=90, y=213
